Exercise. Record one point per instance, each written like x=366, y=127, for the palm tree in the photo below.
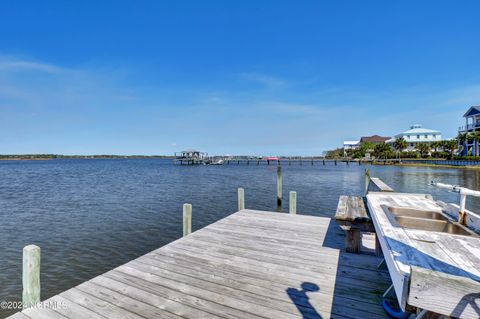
x=436, y=145
x=462, y=138
x=475, y=136
x=382, y=150
x=400, y=144
x=450, y=145
x=423, y=149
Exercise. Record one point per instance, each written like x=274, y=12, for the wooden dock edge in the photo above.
x=379, y=184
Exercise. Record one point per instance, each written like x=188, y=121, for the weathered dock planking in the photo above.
x=252, y=264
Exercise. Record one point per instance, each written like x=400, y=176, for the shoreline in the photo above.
x=429, y=165
x=92, y=157
x=81, y=157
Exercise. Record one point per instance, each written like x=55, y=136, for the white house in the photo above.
x=417, y=134
x=350, y=145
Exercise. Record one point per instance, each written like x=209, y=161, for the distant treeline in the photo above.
x=59, y=156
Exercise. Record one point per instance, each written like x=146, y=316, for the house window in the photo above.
x=418, y=137
x=426, y=136
x=434, y=135
x=411, y=144
x=408, y=136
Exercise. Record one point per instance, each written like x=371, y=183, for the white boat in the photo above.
x=219, y=162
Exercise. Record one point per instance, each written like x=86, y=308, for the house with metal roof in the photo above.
x=472, y=120
x=417, y=134
x=350, y=145
x=472, y=123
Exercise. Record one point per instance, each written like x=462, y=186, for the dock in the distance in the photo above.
x=251, y=264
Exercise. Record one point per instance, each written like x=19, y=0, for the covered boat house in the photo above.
x=191, y=157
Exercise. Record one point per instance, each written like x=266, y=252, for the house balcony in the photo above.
x=469, y=128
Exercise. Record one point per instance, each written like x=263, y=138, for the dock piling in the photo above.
x=279, y=188
x=31, y=276
x=461, y=213
x=293, y=202
x=367, y=180
x=241, y=198
x=187, y=219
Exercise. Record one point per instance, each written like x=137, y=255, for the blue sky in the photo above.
x=231, y=77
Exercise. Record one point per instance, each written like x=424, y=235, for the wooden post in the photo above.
x=241, y=199
x=279, y=188
x=367, y=180
x=335, y=162
x=461, y=213
x=323, y=162
x=293, y=202
x=31, y=276
x=187, y=219
x=353, y=241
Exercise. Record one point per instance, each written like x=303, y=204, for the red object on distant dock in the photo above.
x=272, y=158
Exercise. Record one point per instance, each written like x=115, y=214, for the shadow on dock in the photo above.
x=467, y=300
x=300, y=298
x=359, y=284
x=335, y=237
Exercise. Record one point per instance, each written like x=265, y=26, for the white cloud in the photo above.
x=9, y=64
x=270, y=82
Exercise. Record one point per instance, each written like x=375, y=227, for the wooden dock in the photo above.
x=252, y=264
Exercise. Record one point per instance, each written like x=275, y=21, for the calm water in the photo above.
x=89, y=216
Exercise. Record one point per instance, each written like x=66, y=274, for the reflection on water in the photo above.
x=89, y=216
